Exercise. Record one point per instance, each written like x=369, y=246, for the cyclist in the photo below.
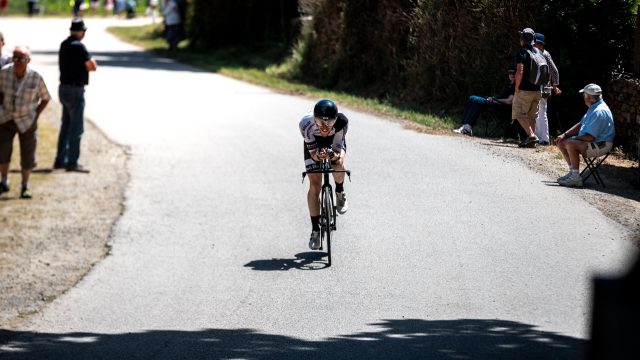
x=324, y=133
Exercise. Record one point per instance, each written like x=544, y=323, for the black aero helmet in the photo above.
x=325, y=109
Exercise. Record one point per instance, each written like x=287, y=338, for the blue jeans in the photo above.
x=72, y=128
x=474, y=107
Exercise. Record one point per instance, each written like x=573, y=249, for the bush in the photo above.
x=430, y=53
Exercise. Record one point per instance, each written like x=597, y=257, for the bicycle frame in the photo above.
x=326, y=201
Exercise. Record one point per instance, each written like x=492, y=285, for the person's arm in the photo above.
x=44, y=96
x=43, y=104
x=505, y=101
x=555, y=74
x=519, y=74
x=91, y=65
x=574, y=131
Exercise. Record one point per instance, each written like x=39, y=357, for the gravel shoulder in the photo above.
x=49, y=243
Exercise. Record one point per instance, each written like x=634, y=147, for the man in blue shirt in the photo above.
x=592, y=136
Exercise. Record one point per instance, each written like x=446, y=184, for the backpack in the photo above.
x=539, y=73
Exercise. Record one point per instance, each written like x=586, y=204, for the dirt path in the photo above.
x=47, y=244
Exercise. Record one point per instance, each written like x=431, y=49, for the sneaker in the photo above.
x=464, y=130
x=543, y=143
x=564, y=177
x=342, y=205
x=58, y=166
x=529, y=142
x=4, y=188
x=77, y=168
x=571, y=181
x=25, y=193
x=314, y=240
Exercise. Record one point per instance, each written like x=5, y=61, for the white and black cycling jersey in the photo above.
x=313, y=139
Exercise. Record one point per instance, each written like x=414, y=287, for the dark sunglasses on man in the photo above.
x=21, y=59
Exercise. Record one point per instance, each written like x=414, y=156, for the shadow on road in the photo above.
x=302, y=261
x=391, y=339
x=131, y=59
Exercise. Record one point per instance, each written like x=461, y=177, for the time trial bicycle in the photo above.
x=328, y=212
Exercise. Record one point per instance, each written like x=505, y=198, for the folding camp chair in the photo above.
x=593, y=164
x=495, y=120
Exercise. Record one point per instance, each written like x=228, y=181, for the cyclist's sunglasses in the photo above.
x=325, y=122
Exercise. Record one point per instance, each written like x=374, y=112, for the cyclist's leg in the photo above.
x=313, y=196
x=339, y=165
x=338, y=177
x=313, y=199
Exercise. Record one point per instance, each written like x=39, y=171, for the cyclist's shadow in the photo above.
x=312, y=260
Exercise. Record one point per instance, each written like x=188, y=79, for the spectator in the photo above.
x=152, y=10
x=527, y=95
x=32, y=7
x=130, y=9
x=173, y=23
x=94, y=6
x=3, y=6
x=24, y=95
x=75, y=63
x=78, y=6
x=4, y=59
x=118, y=9
x=592, y=136
x=476, y=105
x=542, y=123
x=108, y=6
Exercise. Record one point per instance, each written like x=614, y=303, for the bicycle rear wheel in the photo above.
x=326, y=220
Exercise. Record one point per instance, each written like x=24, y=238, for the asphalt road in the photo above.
x=446, y=252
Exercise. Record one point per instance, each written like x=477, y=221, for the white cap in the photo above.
x=592, y=89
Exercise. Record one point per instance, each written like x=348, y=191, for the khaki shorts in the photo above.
x=525, y=104
x=28, y=142
x=595, y=149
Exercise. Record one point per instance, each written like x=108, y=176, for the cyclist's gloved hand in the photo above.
x=330, y=153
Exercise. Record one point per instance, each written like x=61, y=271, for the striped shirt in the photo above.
x=554, y=75
x=21, y=97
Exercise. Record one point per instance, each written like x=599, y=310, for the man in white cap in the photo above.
x=592, y=136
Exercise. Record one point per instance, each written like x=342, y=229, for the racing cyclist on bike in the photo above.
x=324, y=133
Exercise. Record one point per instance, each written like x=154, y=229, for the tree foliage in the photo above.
x=245, y=23
x=430, y=53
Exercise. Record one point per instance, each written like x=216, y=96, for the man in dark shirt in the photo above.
x=75, y=63
x=527, y=95
x=478, y=104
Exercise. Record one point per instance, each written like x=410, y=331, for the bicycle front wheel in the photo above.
x=325, y=220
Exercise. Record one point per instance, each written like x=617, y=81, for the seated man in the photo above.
x=477, y=104
x=592, y=136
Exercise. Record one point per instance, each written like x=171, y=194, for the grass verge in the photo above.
x=254, y=66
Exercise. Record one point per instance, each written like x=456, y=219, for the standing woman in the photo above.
x=172, y=23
